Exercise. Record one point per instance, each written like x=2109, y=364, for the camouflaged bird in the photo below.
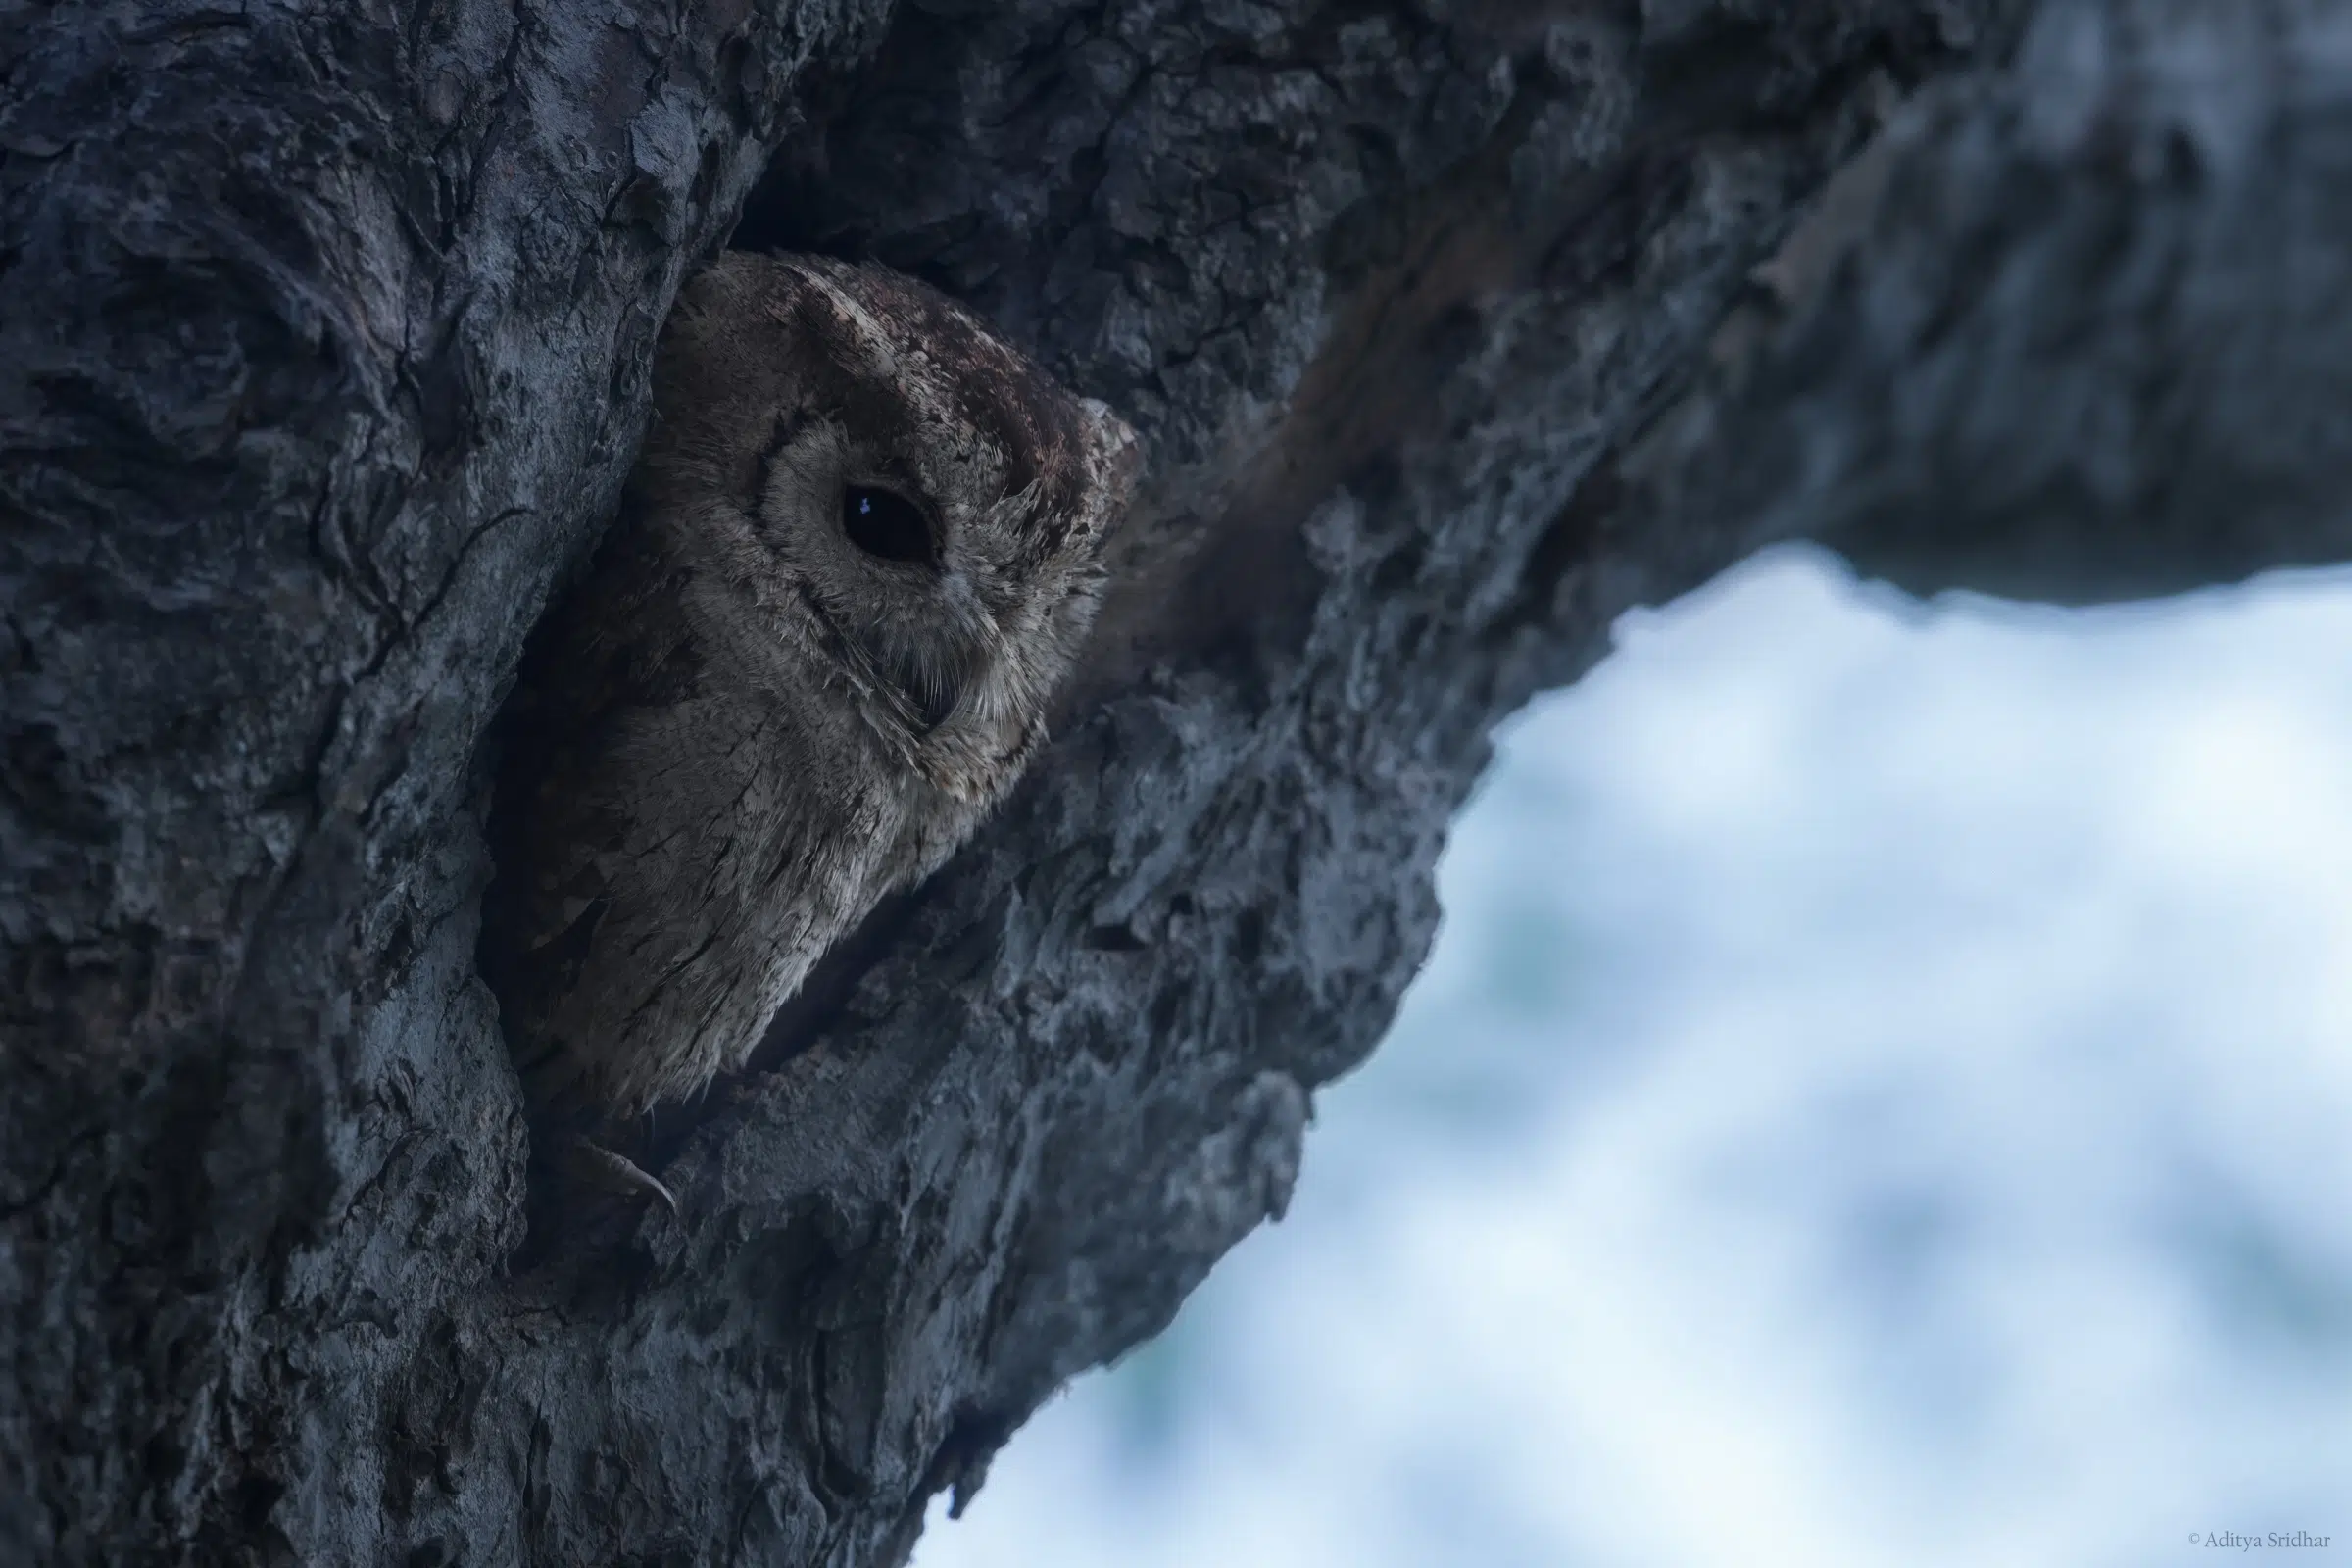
x=859, y=555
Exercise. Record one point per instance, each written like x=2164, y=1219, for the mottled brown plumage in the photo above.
x=859, y=552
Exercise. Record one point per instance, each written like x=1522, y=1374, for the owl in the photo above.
x=860, y=551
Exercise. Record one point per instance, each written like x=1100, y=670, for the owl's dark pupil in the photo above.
x=886, y=524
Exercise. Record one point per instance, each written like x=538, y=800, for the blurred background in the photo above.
x=1882, y=1095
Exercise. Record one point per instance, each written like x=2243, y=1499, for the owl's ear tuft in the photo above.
x=1114, y=459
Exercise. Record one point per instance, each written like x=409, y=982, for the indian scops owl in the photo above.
x=859, y=552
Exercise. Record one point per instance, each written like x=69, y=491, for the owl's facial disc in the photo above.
x=934, y=503
x=868, y=545
x=929, y=671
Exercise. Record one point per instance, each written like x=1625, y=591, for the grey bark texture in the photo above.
x=1452, y=330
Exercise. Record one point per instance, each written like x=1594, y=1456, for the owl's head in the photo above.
x=908, y=514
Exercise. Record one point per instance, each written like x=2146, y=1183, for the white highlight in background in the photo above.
x=1883, y=1094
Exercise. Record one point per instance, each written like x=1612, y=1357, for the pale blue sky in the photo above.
x=1880, y=1095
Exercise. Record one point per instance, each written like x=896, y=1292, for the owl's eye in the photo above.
x=886, y=526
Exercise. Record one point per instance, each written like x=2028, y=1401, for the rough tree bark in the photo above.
x=323, y=351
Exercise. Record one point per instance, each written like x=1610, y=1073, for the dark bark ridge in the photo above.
x=323, y=348
x=322, y=353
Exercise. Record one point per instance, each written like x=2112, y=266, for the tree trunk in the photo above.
x=322, y=353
